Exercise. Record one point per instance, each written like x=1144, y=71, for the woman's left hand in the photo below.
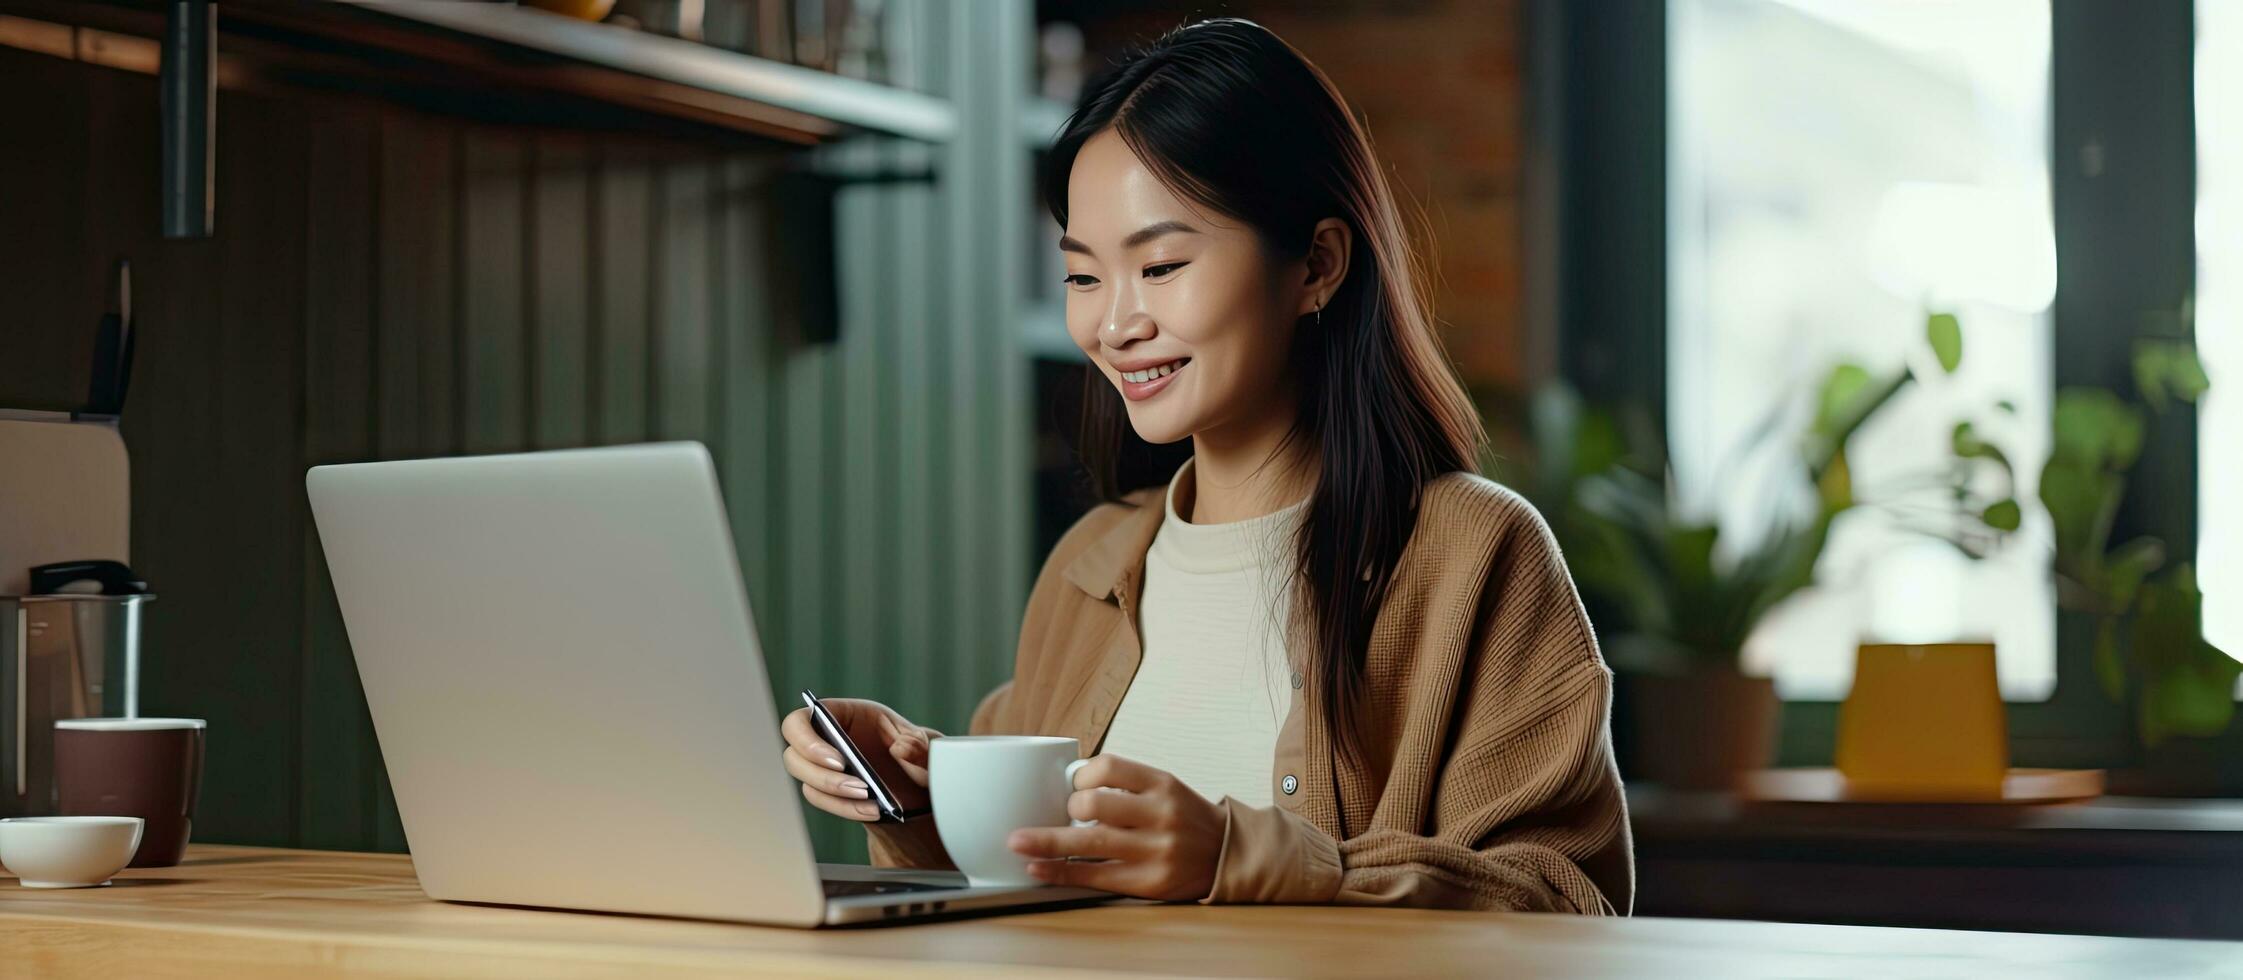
x=1159, y=839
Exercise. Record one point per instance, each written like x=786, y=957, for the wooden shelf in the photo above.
x=846, y=103
x=2114, y=865
x=498, y=62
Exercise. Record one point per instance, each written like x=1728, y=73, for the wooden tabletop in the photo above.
x=244, y=912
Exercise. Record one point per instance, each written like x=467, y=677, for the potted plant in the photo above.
x=2149, y=648
x=1675, y=609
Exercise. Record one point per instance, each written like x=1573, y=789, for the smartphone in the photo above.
x=859, y=765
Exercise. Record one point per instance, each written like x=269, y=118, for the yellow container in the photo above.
x=1924, y=721
x=592, y=10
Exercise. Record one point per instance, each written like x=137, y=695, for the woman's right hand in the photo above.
x=893, y=745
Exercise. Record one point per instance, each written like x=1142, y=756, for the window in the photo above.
x=1838, y=168
x=2219, y=319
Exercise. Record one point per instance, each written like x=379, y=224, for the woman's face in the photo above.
x=1183, y=311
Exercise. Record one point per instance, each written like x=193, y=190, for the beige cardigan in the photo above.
x=1488, y=780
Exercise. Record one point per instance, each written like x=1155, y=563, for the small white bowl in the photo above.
x=68, y=852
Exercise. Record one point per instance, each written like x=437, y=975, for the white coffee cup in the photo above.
x=984, y=787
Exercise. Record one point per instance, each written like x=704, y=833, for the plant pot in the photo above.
x=1703, y=730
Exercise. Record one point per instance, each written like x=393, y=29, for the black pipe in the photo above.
x=188, y=81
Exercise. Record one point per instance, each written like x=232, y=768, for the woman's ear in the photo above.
x=1330, y=246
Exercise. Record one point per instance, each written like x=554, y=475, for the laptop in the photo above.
x=567, y=688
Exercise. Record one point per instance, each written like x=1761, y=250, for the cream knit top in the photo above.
x=1214, y=685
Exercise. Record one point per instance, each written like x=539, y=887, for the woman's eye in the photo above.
x=1157, y=271
x=1080, y=279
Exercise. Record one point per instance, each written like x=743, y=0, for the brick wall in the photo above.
x=1438, y=83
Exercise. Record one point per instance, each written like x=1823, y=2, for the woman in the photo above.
x=1325, y=662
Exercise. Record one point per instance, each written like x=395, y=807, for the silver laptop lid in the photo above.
x=565, y=681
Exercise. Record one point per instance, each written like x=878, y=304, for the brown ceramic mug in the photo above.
x=149, y=768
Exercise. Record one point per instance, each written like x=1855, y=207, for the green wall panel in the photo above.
x=388, y=284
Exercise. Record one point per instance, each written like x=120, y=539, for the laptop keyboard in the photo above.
x=845, y=889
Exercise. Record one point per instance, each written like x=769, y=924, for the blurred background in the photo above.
x=1876, y=362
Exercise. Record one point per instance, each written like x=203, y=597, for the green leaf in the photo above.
x=2168, y=368
x=2094, y=428
x=1835, y=487
x=2188, y=377
x=2127, y=566
x=1946, y=336
x=2007, y=407
x=2003, y=515
x=2077, y=497
x=1967, y=444
x=1848, y=399
x=2188, y=685
x=1839, y=391
x=1784, y=564
x=2169, y=618
x=1965, y=440
x=2149, y=374
x=1690, y=555
x=2192, y=703
x=2108, y=670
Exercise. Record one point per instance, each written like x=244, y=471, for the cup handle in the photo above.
x=1073, y=768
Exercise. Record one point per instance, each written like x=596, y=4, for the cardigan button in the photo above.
x=1290, y=784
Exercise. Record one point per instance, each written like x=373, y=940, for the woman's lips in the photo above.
x=1138, y=391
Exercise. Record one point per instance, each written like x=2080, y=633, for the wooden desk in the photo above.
x=243, y=912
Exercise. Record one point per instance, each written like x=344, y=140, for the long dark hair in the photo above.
x=1234, y=119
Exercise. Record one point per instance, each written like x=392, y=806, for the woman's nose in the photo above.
x=1125, y=321
x=1117, y=333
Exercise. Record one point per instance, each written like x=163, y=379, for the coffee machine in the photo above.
x=70, y=648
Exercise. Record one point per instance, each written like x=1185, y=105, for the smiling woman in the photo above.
x=1323, y=661
x=1168, y=284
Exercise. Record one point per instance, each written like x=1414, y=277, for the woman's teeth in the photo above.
x=1153, y=372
